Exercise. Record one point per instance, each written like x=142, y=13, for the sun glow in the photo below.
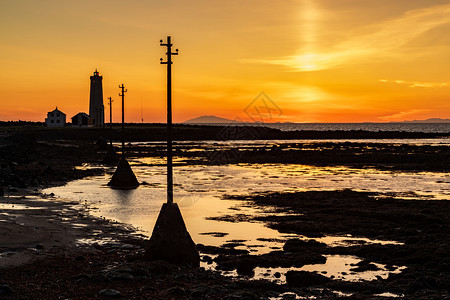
x=306, y=62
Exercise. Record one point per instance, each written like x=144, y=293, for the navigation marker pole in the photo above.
x=169, y=62
x=110, y=112
x=111, y=155
x=123, y=117
x=124, y=177
x=170, y=239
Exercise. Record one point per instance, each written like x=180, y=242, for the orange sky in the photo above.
x=316, y=60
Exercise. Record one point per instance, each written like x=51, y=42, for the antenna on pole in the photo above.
x=169, y=54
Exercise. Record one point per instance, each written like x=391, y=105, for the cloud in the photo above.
x=383, y=39
x=400, y=116
x=415, y=84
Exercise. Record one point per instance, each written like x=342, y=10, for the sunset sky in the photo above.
x=315, y=60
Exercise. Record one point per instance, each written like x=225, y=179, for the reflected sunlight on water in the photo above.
x=198, y=189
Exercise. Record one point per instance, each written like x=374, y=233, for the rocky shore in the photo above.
x=419, y=229
x=53, y=249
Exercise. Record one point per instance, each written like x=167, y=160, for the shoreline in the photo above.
x=407, y=239
x=49, y=230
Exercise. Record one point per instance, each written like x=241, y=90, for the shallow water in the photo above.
x=406, y=127
x=199, y=189
x=10, y=206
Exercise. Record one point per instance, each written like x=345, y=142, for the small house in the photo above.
x=82, y=120
x=55, y=118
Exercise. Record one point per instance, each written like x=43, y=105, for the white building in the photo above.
x=55, y=118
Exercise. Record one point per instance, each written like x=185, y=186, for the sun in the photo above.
x=306, y=62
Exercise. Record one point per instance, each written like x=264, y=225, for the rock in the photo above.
x=119, y=273
x=199, y=291
x=122, y=269
x=140, y=273
x=176, y=291
x=244, y=295
x=100, y=278
x=39, y=247
x=246, y=267
x=160, y=267
x=5, y=290
x=110, y=293
x=207, y=259
x=170, y=239
x=206, y=290
x=271, y=294
x=113, y=275
x=128, y=247
x=365, y=265
x=303, y=278
x=82, y=278
x=297, y=245
x=289, y=296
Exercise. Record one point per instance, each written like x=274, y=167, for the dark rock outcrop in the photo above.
x=303, y=278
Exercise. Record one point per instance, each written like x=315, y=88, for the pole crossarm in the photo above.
x=123, y=90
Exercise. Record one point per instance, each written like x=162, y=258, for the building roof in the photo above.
x=57, y=110
x=83, y=114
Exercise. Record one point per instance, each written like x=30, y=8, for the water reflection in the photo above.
x=199, y=189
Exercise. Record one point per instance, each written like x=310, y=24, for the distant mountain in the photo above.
x=208, y=120
x=431, y=120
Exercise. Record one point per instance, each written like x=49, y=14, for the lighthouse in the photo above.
x=96, y=108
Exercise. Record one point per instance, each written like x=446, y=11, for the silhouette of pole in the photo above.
x=110, y=112
x=169, y=54
x=170, y=240
x=123, y=117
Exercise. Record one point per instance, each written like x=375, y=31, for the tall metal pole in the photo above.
x=123, y=117
x=169, y=117
x=110, y=112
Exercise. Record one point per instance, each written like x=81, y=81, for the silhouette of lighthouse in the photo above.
x=96, y=108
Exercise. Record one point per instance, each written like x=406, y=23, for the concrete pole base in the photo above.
x=124, y=177
x=170, y=239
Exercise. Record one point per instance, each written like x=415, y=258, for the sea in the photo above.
x=405, y=127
